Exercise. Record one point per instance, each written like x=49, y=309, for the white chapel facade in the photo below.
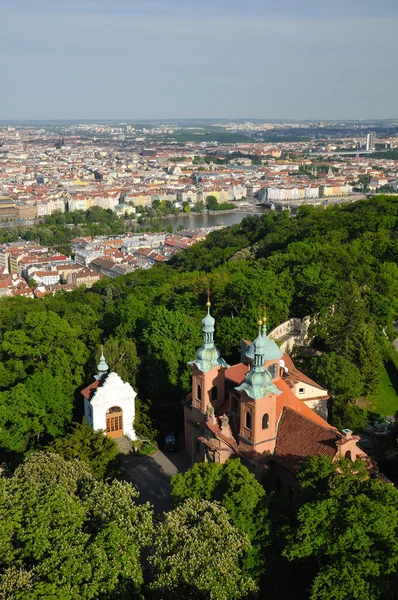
x=109, y=403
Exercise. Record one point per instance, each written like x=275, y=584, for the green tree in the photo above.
x=170, y=340
x=99, y=452
x=68, y=535
x=340, y=376
x=347, y=530
x=33, y=409
x=211, y=203
x=197, y=554
x=121, y=357
x=239, y=493
x=363, y=350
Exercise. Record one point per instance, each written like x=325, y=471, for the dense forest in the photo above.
x=338, y=265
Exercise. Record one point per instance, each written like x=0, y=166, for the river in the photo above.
x=196, y=221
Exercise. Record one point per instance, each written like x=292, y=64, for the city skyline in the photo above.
x=152, y=60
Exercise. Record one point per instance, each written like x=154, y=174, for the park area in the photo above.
x=385, y=400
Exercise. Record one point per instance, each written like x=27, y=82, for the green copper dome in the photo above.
x=208, y=356
x=102, y=366
x=269, y=348
x=257, y=382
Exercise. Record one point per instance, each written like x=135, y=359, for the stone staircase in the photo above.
x=124, y=445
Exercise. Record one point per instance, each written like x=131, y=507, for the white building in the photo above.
x=109, y=404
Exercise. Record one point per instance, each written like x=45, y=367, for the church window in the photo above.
x=199, y=393
x=265, y=421
x=234, y=404
x=272, y=371
x=248, y=420
x=348, y=454
x=214, y=393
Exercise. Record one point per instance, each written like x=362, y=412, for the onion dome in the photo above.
x=257, y=383
x=102, y=366
x=208, y=356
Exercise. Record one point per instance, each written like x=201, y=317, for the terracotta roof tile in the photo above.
x=289, y=400
x=299, y=437
x=237, y=373
x=89, y=391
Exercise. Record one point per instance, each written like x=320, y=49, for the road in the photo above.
x=151, y=475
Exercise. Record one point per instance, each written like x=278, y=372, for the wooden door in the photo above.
x=114, y=422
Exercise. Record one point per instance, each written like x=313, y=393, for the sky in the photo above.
x=169, y=59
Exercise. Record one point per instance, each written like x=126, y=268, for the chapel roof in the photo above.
x=299, y=437
x=89, y=391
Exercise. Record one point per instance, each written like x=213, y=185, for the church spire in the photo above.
x=257, y=383
x=208, y=356
x=208, y=327
x=102, y=366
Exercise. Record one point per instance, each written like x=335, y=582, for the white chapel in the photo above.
x=109, y=403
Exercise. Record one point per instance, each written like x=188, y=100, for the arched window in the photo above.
x=348, y=454
x=214, y=393
x=248, y=420
x=199, y=393
x=265, y=421
x=272, y=370
x=234, y=404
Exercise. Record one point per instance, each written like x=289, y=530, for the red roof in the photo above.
x=289, y=400
x=89, y=391
x=300, y=437
x=237, y=373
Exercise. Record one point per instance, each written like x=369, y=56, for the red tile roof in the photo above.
x=88, y=392
x=237, y=373
x=299, y=437
x=289, y=400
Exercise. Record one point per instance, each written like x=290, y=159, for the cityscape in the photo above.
x=198, y=300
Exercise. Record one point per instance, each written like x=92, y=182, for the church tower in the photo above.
x=208, y=386
x=208, y=370
x=257, y=406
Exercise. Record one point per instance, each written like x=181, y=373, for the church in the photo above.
x=109, y=403
x=262, y=409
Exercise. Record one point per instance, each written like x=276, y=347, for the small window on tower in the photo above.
x=199, y=393
x=265, y=421
x=248, y=420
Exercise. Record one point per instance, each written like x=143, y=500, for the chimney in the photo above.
x=347, y=434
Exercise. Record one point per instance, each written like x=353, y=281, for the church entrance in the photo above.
x=114, y=422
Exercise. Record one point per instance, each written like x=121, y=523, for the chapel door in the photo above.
x=114, y=422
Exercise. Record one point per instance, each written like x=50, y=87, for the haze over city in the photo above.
x=143, y=60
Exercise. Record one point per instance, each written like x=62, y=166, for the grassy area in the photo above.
x=385, y=400
x=145, y=448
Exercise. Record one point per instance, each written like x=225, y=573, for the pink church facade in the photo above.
x=262, y=409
